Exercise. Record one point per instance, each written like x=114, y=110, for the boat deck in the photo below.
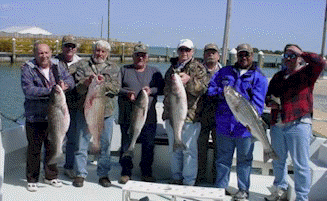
x=14, y=187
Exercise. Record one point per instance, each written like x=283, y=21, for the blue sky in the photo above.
x=265, y=24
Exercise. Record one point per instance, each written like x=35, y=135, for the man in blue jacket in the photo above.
x=249, y=81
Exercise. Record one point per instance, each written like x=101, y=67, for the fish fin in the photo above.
x=128, y=153
x=248, y=127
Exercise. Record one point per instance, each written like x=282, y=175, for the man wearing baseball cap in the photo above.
x=69, y=59
x=247, y=79
x=184, y=163
x=136, y=77
x=208, y=126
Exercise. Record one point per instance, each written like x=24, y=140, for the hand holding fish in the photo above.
x=88, y=81
x=131, y=96
x=64, y=86
x=184, y=77
x=147, y=90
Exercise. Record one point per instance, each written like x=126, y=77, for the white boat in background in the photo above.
x=13, y=180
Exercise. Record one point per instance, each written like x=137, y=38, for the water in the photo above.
x=12, y=97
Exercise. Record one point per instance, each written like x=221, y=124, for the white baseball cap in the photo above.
x=185, y=43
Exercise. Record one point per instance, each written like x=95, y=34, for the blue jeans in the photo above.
x=146, y=137
x=225, y=150
x=72, y=141
x=104, y=164
x=295, y=138
x=184, y=164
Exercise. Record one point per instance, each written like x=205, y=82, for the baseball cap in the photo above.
x=244, y=48
x=185, y=43
x=211, y=46
x=69, y=39
x=140, y=48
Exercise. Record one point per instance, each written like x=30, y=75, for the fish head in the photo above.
x=56, y=93
x=142, y=99
x=231, y=95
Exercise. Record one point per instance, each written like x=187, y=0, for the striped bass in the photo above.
x=246, y=114
x=138, y=118
x=58, y=121
x=94, y=107
x=178, y=110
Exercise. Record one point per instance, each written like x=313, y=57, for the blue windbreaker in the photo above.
x=253, y=85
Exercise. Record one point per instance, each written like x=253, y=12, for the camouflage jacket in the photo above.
x=112, y=75
x=195, y=88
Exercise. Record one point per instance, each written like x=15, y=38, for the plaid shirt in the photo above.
x=295, y=91
x=37, y=88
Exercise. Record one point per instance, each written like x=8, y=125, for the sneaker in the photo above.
x=241, y=195
x=148, y=179
x=53, y=182
x=124, y=179
x=176, y=182
x=32, y=187
x=78, y=181
x=105, y=182
x=277, y=194
x=69, y=173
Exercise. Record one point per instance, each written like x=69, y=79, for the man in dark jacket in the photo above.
x=136, y=77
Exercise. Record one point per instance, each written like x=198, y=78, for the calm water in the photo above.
x=12, y=97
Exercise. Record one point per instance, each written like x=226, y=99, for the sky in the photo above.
x=265, y=24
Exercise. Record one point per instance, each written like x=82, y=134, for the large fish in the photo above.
x=94, y=107
x=246, y=114
x=177, y=110
x=58, y=121
x=138, y=117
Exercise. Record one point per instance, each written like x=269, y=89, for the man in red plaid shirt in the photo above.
x=290, y=96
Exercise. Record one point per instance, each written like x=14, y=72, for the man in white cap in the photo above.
x=68, y=59
x=208, y=126
x=246, y=78
x=194, y=77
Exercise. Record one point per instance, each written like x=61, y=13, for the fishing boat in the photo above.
x=13, y=180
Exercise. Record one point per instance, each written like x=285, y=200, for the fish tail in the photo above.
x=179, y=146
x=269, y=154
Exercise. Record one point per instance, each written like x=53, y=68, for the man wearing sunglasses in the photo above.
x=68, y=59
x=184, y=165
x=246, y=78
x=291, y=118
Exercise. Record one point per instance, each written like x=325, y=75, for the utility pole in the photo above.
x=108, y=20
x=324, y=34
x=101, y=26
x=226, y=33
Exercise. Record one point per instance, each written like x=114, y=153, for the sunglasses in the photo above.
x=184, y=49
x=140, y=54
x=245, y=54
x=291, y=56
x=69, y=45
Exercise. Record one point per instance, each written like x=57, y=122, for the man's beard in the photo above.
x=98, y=60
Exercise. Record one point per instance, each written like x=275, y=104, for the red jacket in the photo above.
x=295, y=92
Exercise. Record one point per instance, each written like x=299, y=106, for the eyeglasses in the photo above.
x=291, y=56
x=184, y=49
x=69, y=45
x=243, y=54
